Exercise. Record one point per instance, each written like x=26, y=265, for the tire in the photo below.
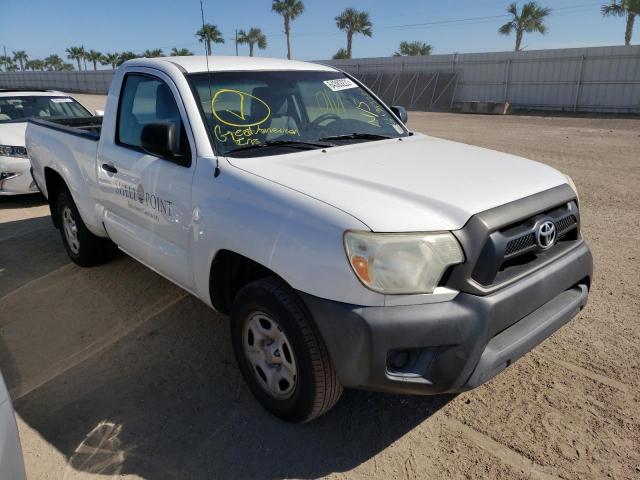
x=85, y=248
x=315, y=388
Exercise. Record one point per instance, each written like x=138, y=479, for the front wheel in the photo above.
x=281, y=354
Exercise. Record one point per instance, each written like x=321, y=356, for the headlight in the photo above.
x=11, y=151
x=572, y=185
x=401, y=263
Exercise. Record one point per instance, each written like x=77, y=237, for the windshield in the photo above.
x=19, y=109
x=268, y=113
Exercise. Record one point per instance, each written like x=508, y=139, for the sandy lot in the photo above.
x=117, y=373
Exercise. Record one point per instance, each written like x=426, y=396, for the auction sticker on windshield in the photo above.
x=339, y=84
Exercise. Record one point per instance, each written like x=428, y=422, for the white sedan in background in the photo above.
x=16, y=107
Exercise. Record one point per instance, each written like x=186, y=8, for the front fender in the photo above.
x=297, y=237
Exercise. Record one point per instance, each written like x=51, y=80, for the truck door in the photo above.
x=147, y=199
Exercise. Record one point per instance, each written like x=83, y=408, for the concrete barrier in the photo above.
x=490, y=108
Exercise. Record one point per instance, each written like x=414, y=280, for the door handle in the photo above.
x=109, y=168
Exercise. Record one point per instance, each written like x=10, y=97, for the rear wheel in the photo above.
x=281, y=354
x=83, y=247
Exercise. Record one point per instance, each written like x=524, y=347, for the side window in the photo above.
x=145, y=99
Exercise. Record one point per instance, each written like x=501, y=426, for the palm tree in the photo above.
x=414, y=49
x=180, y=52
x=341, y=54
x=68, y=67
x=76, y=53
x=21, y=57
x=110, y=59
x=124, y=56
x=209, y=34
x=54, y=62
x=289, y=9
x=35, y=65
x=252, y=38
x=630, y=8
x=352, y=21
x=9, y=64
x=156, y=52
x=94, y=57
x=530, y=19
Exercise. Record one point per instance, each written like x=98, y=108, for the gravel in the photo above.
x=117, y=373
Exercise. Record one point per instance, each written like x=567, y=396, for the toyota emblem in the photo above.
x=546, y=235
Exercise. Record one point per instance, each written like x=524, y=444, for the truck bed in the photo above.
x=87, y=127
x=69, y=147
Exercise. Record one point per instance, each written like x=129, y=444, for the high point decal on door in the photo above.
x=340, y=84
x=146, y=203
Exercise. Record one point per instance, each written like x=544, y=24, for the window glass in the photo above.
x=145, y=99
x=19, y=109
x=247, y=111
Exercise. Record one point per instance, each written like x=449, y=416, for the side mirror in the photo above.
x=400, y=112
x=159, y=139
x=100, y=113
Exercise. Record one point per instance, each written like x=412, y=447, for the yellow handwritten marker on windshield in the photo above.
x=225, y=96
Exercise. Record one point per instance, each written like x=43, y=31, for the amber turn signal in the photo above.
x=361, y=267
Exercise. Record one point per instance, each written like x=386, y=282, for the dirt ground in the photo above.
x=116, y=373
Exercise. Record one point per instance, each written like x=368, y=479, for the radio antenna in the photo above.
x=207, y=52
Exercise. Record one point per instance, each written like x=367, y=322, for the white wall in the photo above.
x=603, y=79
x=597, y=79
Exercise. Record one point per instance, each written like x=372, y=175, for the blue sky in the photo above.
x=42, y=27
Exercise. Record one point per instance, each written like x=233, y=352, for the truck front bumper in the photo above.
x=456, y=345
x=15, y=176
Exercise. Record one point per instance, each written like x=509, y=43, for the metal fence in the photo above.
x=90, y=81
x=595, y=79
x=416, y=91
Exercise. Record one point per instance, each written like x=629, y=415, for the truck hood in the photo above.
x=421, y=183
x=13, y=134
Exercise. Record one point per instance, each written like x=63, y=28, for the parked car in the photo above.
x=16, y=107
x=347, y=250
x=11, y=460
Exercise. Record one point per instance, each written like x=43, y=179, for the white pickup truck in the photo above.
x=347, y=250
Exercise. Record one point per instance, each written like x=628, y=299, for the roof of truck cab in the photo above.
x=220, y=63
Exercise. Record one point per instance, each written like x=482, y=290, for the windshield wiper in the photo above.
x=357, y=136
x=283, y=143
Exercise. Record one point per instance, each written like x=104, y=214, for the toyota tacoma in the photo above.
x=347, y=250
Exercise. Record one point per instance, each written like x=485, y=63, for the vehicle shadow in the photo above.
x=22, y=201
x=167, y=401
x=124, y=373
x=29, y=249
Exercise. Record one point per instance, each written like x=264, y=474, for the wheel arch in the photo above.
x=229, y=273
x=54, y=184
